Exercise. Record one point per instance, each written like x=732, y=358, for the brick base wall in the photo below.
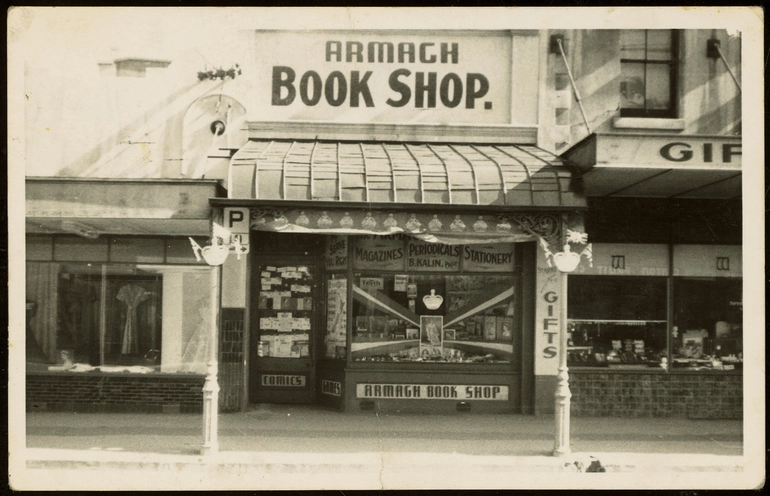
x=703, y=396
x=115, y=393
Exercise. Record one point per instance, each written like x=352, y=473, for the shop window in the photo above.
x=648, y=62
x=617, y=322
x=708, y=324
x=84, y=317
x=433, y=318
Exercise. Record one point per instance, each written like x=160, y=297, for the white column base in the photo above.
x=210, y=412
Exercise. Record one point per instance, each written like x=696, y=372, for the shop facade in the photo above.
x=656, y=324
x=390, y=209
x=393, y=205
x=117, y=321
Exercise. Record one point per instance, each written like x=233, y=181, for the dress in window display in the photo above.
x=132, y=296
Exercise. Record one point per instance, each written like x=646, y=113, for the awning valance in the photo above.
x=517, y=176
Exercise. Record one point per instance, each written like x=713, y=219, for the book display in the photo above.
x=433, y=318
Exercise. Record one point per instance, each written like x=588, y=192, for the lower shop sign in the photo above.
x=283, y=380
x=432, y=392
x=332, y=388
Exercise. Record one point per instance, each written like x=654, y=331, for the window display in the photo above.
x=617, y=321
x=285, y=311
x=84, y=317
x=708, y=324
x=433, y=318
x=337, y=317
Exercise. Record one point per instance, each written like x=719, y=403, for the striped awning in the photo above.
x=521, y=176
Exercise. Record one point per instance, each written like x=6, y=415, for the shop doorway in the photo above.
x=284, y=330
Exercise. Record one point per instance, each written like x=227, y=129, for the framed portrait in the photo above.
x=431, y=342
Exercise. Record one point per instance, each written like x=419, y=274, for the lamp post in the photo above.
x=563, y=396
x=211, y=385
x=214, y=255
x=566, y=262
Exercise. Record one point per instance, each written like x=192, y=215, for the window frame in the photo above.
x=673, y=64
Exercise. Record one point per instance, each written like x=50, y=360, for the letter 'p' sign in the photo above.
x=237, y=220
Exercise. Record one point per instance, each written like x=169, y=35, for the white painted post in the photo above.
x=211, y=386
x=562, y=395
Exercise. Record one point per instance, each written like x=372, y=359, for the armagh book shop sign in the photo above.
x=387, y=76
x=432, y=392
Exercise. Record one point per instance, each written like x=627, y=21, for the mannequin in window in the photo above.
x=132, y=296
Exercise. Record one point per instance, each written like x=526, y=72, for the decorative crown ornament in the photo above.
x=457, y=225
x=413, y=224
x=369, y=222
x=324, y=222
x=390, y=222
x=347, y=221
x=302, y=220
x=432, y=301
x=568, y=260
x=435, y=224
x=480, y=225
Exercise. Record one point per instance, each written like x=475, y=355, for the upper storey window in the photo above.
x=648, y=73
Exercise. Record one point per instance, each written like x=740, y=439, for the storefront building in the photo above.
x=387, y=228
x=656, y=324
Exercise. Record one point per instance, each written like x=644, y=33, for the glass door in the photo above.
x=283, y=332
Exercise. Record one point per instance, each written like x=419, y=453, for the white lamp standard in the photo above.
x=214, y=255
x=566, y=261
x=211, y=385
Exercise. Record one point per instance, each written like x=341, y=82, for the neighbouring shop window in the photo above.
x=648, y=72
x=617, y=322
x=84, y=317
x=708, y=324
x=432, y=318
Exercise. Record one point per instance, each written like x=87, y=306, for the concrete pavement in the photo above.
x=305, y=447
